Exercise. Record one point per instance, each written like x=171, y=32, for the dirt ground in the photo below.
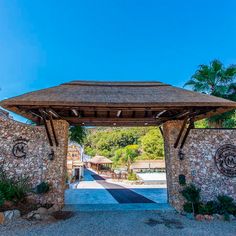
x=119, y=223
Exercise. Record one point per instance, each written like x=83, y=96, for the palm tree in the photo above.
x=77, y=134
x=215, y=79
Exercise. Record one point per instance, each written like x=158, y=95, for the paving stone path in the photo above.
x=120, y=193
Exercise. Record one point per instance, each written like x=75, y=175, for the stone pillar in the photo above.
x=174, y=166
x=56, y=169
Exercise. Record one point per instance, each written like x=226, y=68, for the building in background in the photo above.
x=148, y=166
x=75, y=166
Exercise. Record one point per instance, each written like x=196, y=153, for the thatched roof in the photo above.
x=148, y=164
x=100, y=160
x=120, y=103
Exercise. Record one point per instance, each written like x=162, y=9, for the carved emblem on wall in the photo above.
x=225, y=160
x=20, y=148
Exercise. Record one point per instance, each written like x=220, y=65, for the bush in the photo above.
x=12, y=189
x=132, y=176
x=188, y=207
x=209, y=208
x=2, y=199
x=226, y=205
x=192, y=195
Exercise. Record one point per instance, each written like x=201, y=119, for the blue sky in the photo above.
x=46, y=42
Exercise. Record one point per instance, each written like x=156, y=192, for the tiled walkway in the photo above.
x=96, y=190
x=120, y=193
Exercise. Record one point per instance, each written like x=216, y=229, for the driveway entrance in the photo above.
x=96, y=189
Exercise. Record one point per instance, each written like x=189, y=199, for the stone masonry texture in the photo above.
x=198, y=165
x=36, y=164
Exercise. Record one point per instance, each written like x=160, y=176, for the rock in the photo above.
x=11, y=215
x=30, y=215
x=2, y=218
x=208, y=217
x=53, y=209
x=37, y=216
x=218, y=217
x=17, y=214
x=42, y=211
x=200, y=217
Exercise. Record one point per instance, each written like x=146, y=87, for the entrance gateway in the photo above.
x=192, y=155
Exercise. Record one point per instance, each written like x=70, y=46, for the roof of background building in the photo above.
x=148, y=164
x=100, y=160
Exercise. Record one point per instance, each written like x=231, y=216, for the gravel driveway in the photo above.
x=109, y=223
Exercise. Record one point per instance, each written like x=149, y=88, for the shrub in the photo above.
x=188, y=207
x=192, y=195
x=209, y=208
x=12, y=189
x=2, y=199
x=226, y=205
x=132, y=176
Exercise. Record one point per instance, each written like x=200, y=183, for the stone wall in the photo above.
x=25, y=151
x=198, y=165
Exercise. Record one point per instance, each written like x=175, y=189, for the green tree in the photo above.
x=152, y=145
x=105, y=141
x=77, y=134
x=126, y=156
x=217, y=80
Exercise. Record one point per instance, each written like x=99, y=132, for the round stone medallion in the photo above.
x=225, y=160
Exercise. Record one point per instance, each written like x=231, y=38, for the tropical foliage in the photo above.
x=220, y=81
x=77, y=134
x=125, y=145
x=12, y=189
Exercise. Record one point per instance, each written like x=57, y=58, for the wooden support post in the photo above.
x=46, y=127
x=180, y=133
x=53, y=131
x=47, y=132
x=161, y=131
x=191, y=126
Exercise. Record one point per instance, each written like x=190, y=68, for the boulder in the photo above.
x=208, y=217
x=17, y=214
x=218, y=216
x=42, y=211
x=37, y=217
x=200, y=217
x=11, y=215
x=30, y=215
x=53, y=209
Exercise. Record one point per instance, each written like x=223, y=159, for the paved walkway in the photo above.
x=120, y=193
x=96, y=190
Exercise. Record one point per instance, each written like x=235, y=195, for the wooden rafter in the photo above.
x=46, y=128
x=180, y=133
x=53, y=131
x=190, y=126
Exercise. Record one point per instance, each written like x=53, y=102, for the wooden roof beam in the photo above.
x=160, y=113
